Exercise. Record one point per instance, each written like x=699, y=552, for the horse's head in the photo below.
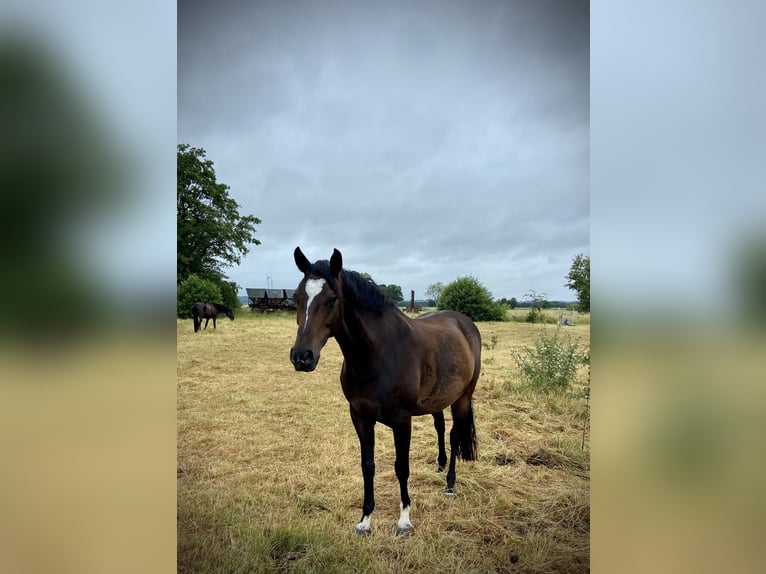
x=230, y=314
x=319, y=299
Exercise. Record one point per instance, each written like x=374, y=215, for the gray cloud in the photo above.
x=425, y=141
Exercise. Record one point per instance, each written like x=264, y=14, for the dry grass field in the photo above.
x=269, y=477
x=552, y=316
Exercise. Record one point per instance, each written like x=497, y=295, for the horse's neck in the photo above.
x=356, y=334
x=365, y=333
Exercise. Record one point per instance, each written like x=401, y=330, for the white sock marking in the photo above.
x=364, y=524
x=404, y=517
x=313, y=288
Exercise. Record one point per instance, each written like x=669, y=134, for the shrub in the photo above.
x=466, y=295
x=539, y=316
x=229, y=294
x=194, y=289
x=552, y=364
x=535, y=315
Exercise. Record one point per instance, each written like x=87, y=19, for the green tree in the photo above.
x=434, y=290
x=468, y=296
x=510, y=303
x=193, y=289
x=393, y=292
x=229, y=294
x=579, y=281
x=211, y=233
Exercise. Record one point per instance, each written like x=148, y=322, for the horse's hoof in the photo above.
x=440, y=469
x=450, y=493
x=403, y=532
x=362, y=531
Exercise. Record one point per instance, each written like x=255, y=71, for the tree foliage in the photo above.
x=193, y=289
x=393, y=292
x=434, y=290
x=229, y=294
x=211, y=233
x=468, y=296
x=579, y=280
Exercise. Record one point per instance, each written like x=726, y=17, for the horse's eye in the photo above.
x=331, y=302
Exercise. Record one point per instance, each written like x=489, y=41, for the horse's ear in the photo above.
x=336, y=263
x=300, y=260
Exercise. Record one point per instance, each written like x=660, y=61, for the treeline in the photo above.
x=544, y=304
x=418, y=303
x=507, y=302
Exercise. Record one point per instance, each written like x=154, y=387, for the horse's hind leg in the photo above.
x=206, y=322
x=462, y=438
x=440, y=427
x=454, y=444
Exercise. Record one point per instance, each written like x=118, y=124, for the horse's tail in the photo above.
x=468, y=449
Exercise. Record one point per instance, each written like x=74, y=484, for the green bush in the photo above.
x=229, y=294
x=466, y=295
x=551, y=366
x=194, y=289
x=535, y=315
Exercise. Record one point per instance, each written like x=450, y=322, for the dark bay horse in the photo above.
x=394, y=368
x=209, y=311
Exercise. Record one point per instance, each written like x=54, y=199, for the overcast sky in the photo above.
x=426, y=140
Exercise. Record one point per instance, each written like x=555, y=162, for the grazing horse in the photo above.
x=209, y=311
x=394, y=368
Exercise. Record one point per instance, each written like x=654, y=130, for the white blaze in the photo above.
x=313, y=288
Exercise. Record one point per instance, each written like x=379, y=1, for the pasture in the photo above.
x=269, y=480
x=550, y=316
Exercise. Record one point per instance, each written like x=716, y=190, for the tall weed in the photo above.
x=551, y=364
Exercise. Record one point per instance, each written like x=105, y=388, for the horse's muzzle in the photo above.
x=303, y=359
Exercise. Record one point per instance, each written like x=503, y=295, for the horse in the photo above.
x=209, y=311
x=394, y=368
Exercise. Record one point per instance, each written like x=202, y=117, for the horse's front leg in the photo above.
x=439, y=425
x=402, y=436
x=365, y=430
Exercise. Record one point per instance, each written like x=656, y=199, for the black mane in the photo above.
x=361, y=292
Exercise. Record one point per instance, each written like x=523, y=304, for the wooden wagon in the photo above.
x=264, y=300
